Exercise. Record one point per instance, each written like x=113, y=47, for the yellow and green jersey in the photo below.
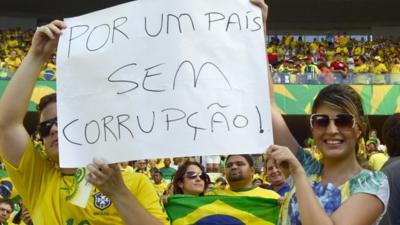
x=45, y=192
x=161, y=187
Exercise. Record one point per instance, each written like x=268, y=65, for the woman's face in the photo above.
x=193, y=181
x=274, y=174
x=337, y=139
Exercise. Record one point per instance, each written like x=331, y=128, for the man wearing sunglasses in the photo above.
x=44, y=187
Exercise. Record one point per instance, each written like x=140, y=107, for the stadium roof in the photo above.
x=284, y=14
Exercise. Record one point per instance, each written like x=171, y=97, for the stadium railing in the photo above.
x=363, y=78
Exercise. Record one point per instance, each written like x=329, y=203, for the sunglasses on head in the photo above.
x=45, y=127
x=193, y=175
x=342, y=121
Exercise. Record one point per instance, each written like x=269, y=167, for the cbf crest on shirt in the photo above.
x=101, y=201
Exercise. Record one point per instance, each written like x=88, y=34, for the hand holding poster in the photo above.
x=155, y=78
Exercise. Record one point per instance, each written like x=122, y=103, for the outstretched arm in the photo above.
x=15, y=100
x=282, y=134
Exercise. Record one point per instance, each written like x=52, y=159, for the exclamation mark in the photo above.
x=259, y=119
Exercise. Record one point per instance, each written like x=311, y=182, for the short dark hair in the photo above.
x=221, y=180
x=7, y=201
x=247, y=157
x=45, y=101
x=156, y=171
x=391, y=134
x=180, y=173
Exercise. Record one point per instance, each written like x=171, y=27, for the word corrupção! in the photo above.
x=114, y=128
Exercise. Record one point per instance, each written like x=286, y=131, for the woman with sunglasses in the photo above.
x=335, y=190
x=190, y=179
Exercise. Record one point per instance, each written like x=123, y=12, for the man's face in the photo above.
x=167, y=162
x=50, y=141
x=177, y=160
x=274, y=174
x=13, y=54
x=157, y=178
x=371, y=147
x=238, y=169
x=5, y=212
x=141, y=164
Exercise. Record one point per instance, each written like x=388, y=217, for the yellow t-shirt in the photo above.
x=330, y=54
x=12, y=64
x=342, y=49
x=251, y=192
x=161, y=188
x=294, y=44
x=344, y=40
x=127, y=171
x=379, y=69
x=288, y=40
x=160, y=164
x=362, y=76
x=44, y=190
x=358, y=51
x=12, y=43
x=376, y=160
x=363, y=68
x=314, y=46
x=395, y=69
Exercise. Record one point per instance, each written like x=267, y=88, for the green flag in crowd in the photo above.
x=222, y=210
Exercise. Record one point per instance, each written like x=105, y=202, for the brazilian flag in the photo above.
x=222, y=210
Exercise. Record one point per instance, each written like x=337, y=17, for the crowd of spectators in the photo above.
x=240, y=178
x=14, y=44
x=335, y=59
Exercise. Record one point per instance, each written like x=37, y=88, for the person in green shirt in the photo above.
x=167, y=171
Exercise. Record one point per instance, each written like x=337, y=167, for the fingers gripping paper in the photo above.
x=156, y=78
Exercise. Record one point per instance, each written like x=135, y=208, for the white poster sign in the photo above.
x=162, y=78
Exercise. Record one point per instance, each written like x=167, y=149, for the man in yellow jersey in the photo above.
x=45, y=188
x=159, y=184
x=376, y=158
x=12, y=62
x=239, y=171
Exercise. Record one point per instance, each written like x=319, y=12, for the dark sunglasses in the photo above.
x=342, y=121
x=45, y=127
x=193, y=175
